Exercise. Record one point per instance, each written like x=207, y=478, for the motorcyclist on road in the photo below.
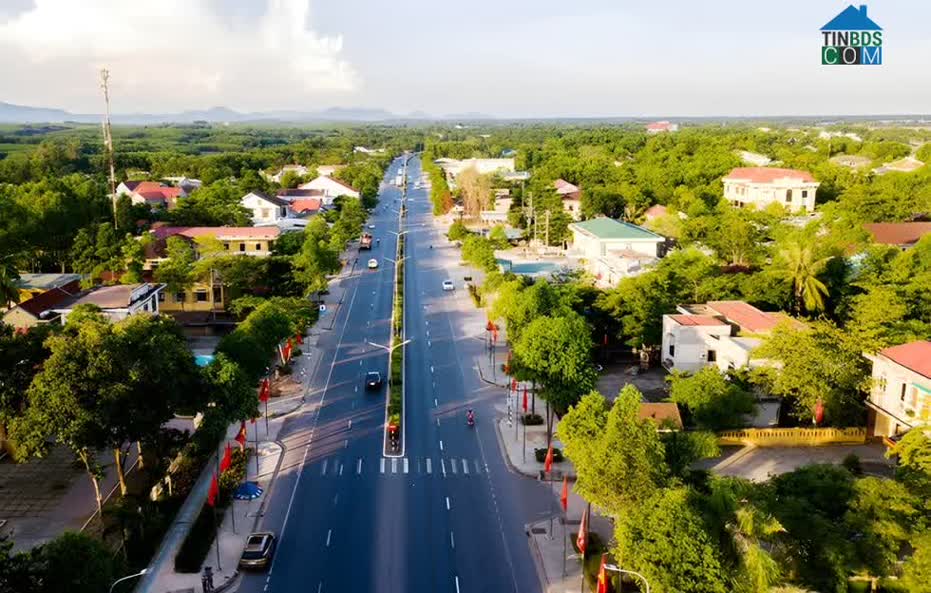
x=470, y=417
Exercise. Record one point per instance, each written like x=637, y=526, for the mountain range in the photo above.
x=24, y=114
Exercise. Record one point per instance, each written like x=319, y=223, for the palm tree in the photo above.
x=9, y=287
x=753, y=531
x=802, y=269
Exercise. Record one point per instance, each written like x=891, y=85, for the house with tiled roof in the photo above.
x=115, y=302
x=720, y=333
x=32, y=285
x=331, y=187
x=571, y=197
x=658, y=127
x=900, y=395
x=897, y=234
x=266, y=209
x=613, y=249
x=155, y=194
x=761, y=186
x=40, y=307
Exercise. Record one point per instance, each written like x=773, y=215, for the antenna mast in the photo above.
x=108, y=136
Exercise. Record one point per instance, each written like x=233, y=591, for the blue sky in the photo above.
x=508, y=58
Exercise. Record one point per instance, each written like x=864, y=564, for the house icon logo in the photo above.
x=851, y=39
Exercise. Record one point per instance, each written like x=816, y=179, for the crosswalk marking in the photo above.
x=429, y=466
x=405, y=465
x=465, y=466
x=449, y=466
x=394, y=465
x=323, y=472
x=452, y=462
x=382, y=465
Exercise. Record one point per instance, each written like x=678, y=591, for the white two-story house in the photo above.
x=266, y=209
x=900, y=397
x=761, y=186
x=612, y=249
x=331, y=187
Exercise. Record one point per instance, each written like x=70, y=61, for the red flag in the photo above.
x=564, y=497
x=287, y=351
x=606, y=340
x=300, y=339
x=227, y=460
x=514, y=385
x=252, y=420
x=241, y=436
x=604, y=584
x=214, y=491
x=819, y=412
x=525, y=399
x=494, y=334
x=581, y=541
x=264, y=390
x=548, y=464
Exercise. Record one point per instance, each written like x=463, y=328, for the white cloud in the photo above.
x=171, y=54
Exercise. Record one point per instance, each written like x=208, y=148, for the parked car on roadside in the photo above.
x=260, y=547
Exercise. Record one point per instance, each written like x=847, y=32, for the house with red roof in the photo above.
x=900, y=395
x=331, y=187
x=761, y=186
x=720, y=333
x=658, y=127
x=571, y=197
x=39, y=308
x=152, y=193
x=898, y=234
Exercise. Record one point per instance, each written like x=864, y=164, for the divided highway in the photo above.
x=446, y=517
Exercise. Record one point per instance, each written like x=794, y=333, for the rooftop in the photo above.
x=697, y=320
x=663, y=413
x=915, y=356
x=220, y=232
x=898, y=233
x=608, y=228
x=45, y=281
x=748, y=317
x=768, y=175
x=119, y=296
x=270, y=199
x=308, y=205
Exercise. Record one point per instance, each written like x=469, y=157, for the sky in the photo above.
x=507, y=58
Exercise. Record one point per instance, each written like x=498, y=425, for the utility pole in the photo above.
x=547, y=227
x=108, y=136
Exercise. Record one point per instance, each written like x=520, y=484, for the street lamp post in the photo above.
x=614, y=568
x=388, y=348
x=132, y=576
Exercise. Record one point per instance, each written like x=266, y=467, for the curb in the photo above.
x=507, y=458
x=271, y=484
x=537, y=556
x=228, y=583
x=490, y=382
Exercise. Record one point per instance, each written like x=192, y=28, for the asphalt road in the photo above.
x=448, y=516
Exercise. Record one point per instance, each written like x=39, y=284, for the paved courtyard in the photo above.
x=759, y=464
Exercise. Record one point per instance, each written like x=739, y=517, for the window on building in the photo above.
x=200, y=296
x=226, y=246
x=284, y=211
x=242, y=246
x=264, y=213
x=179, y=296
x=161, y=296
x=788, y=195
x=804, y=193
x=672, y=350
x=902, y=392
x=258, y=247
x=712, y=355
x=217, y=294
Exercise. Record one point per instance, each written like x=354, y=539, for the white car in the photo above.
x=448, y=285
x=373, y=264
x=371, y=226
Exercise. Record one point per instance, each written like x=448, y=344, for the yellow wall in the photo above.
x=792, y=437
x=170, y=305
x=234, y=246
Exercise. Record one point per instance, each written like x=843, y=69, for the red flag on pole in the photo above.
x=819, y=412
x=514, y=385
x=241, y=436
x=525, y=399
x=264, y=390
x=581, y=542
x=564, y=497
x=287, y=351
x=299, y=338
x=548, y=464
x=606, y=340
x=214, y=491
x=252, y=420
x=227, y=460
x=604, y=584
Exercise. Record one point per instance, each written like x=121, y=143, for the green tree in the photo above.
x=916, y=571
x=9, y=285
x=556, y=351
x=290, y=180
x=618, y=457
x=316, y=259
x=21, y=357
x=475, y=190
x=821, y=362
x=231, y=389
x=178, y=271
x=797, y=262
x=457, y=231
x=77, y=563
x=479, y=252
x=882, y=513
x=498, y=237
x=125, y=216
x=665, y=539
x=714, y=401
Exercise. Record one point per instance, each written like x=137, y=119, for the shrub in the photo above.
x=285, y=369
x=197, y=543
x=852, y=463
x=540, y=454
x=476, y=296
x=296, y=352
x=532, y=420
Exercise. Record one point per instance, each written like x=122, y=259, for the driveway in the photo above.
x=759, y=464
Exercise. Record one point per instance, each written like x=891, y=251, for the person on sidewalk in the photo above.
x=208, y=579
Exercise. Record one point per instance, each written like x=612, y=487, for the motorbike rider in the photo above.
x=470, y=416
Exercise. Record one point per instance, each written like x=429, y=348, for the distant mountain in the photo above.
x=469, y=116
x=16, y=114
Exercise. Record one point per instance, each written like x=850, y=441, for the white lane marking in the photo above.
x=328, y=534
x=325, y=461
x=357, y=389
x=452, y=541
x=429, y=466
x=336, y=499
x=340, y=469
x=465, y=466
x=477, y=469
x=436, y=404
x=394, y=465
x=382, y=465
x=441, y=445
x=453, y=463
x=405, y=465
x=443, y=466
x=431, y=368
x=428, y=343
x=345, y=443
x=437, y=421
x=350, y=424
x=457, y=584
x=360, y=363
x=447, y=503
x=319, y=586
x=359, y=466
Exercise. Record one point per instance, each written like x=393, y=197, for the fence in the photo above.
x=793, y=437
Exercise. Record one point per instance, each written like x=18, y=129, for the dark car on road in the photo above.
x=372, y=380
x=259, y=550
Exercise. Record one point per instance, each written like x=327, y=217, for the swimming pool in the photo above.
x=203, y=360
x=530, y=268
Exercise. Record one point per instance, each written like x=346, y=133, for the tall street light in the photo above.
x=614, y=568
x=389, y=348
x=132, y=576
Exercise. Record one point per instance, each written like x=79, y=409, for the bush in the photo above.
x=532, y=420
x=891, y=586
x=852, y=463
x=540, y=454
x=296, y=352
x=196, y=545
x=457, y=231
x=476, y=296
x=285, y=369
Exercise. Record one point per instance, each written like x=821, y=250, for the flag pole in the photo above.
x=216, y=525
